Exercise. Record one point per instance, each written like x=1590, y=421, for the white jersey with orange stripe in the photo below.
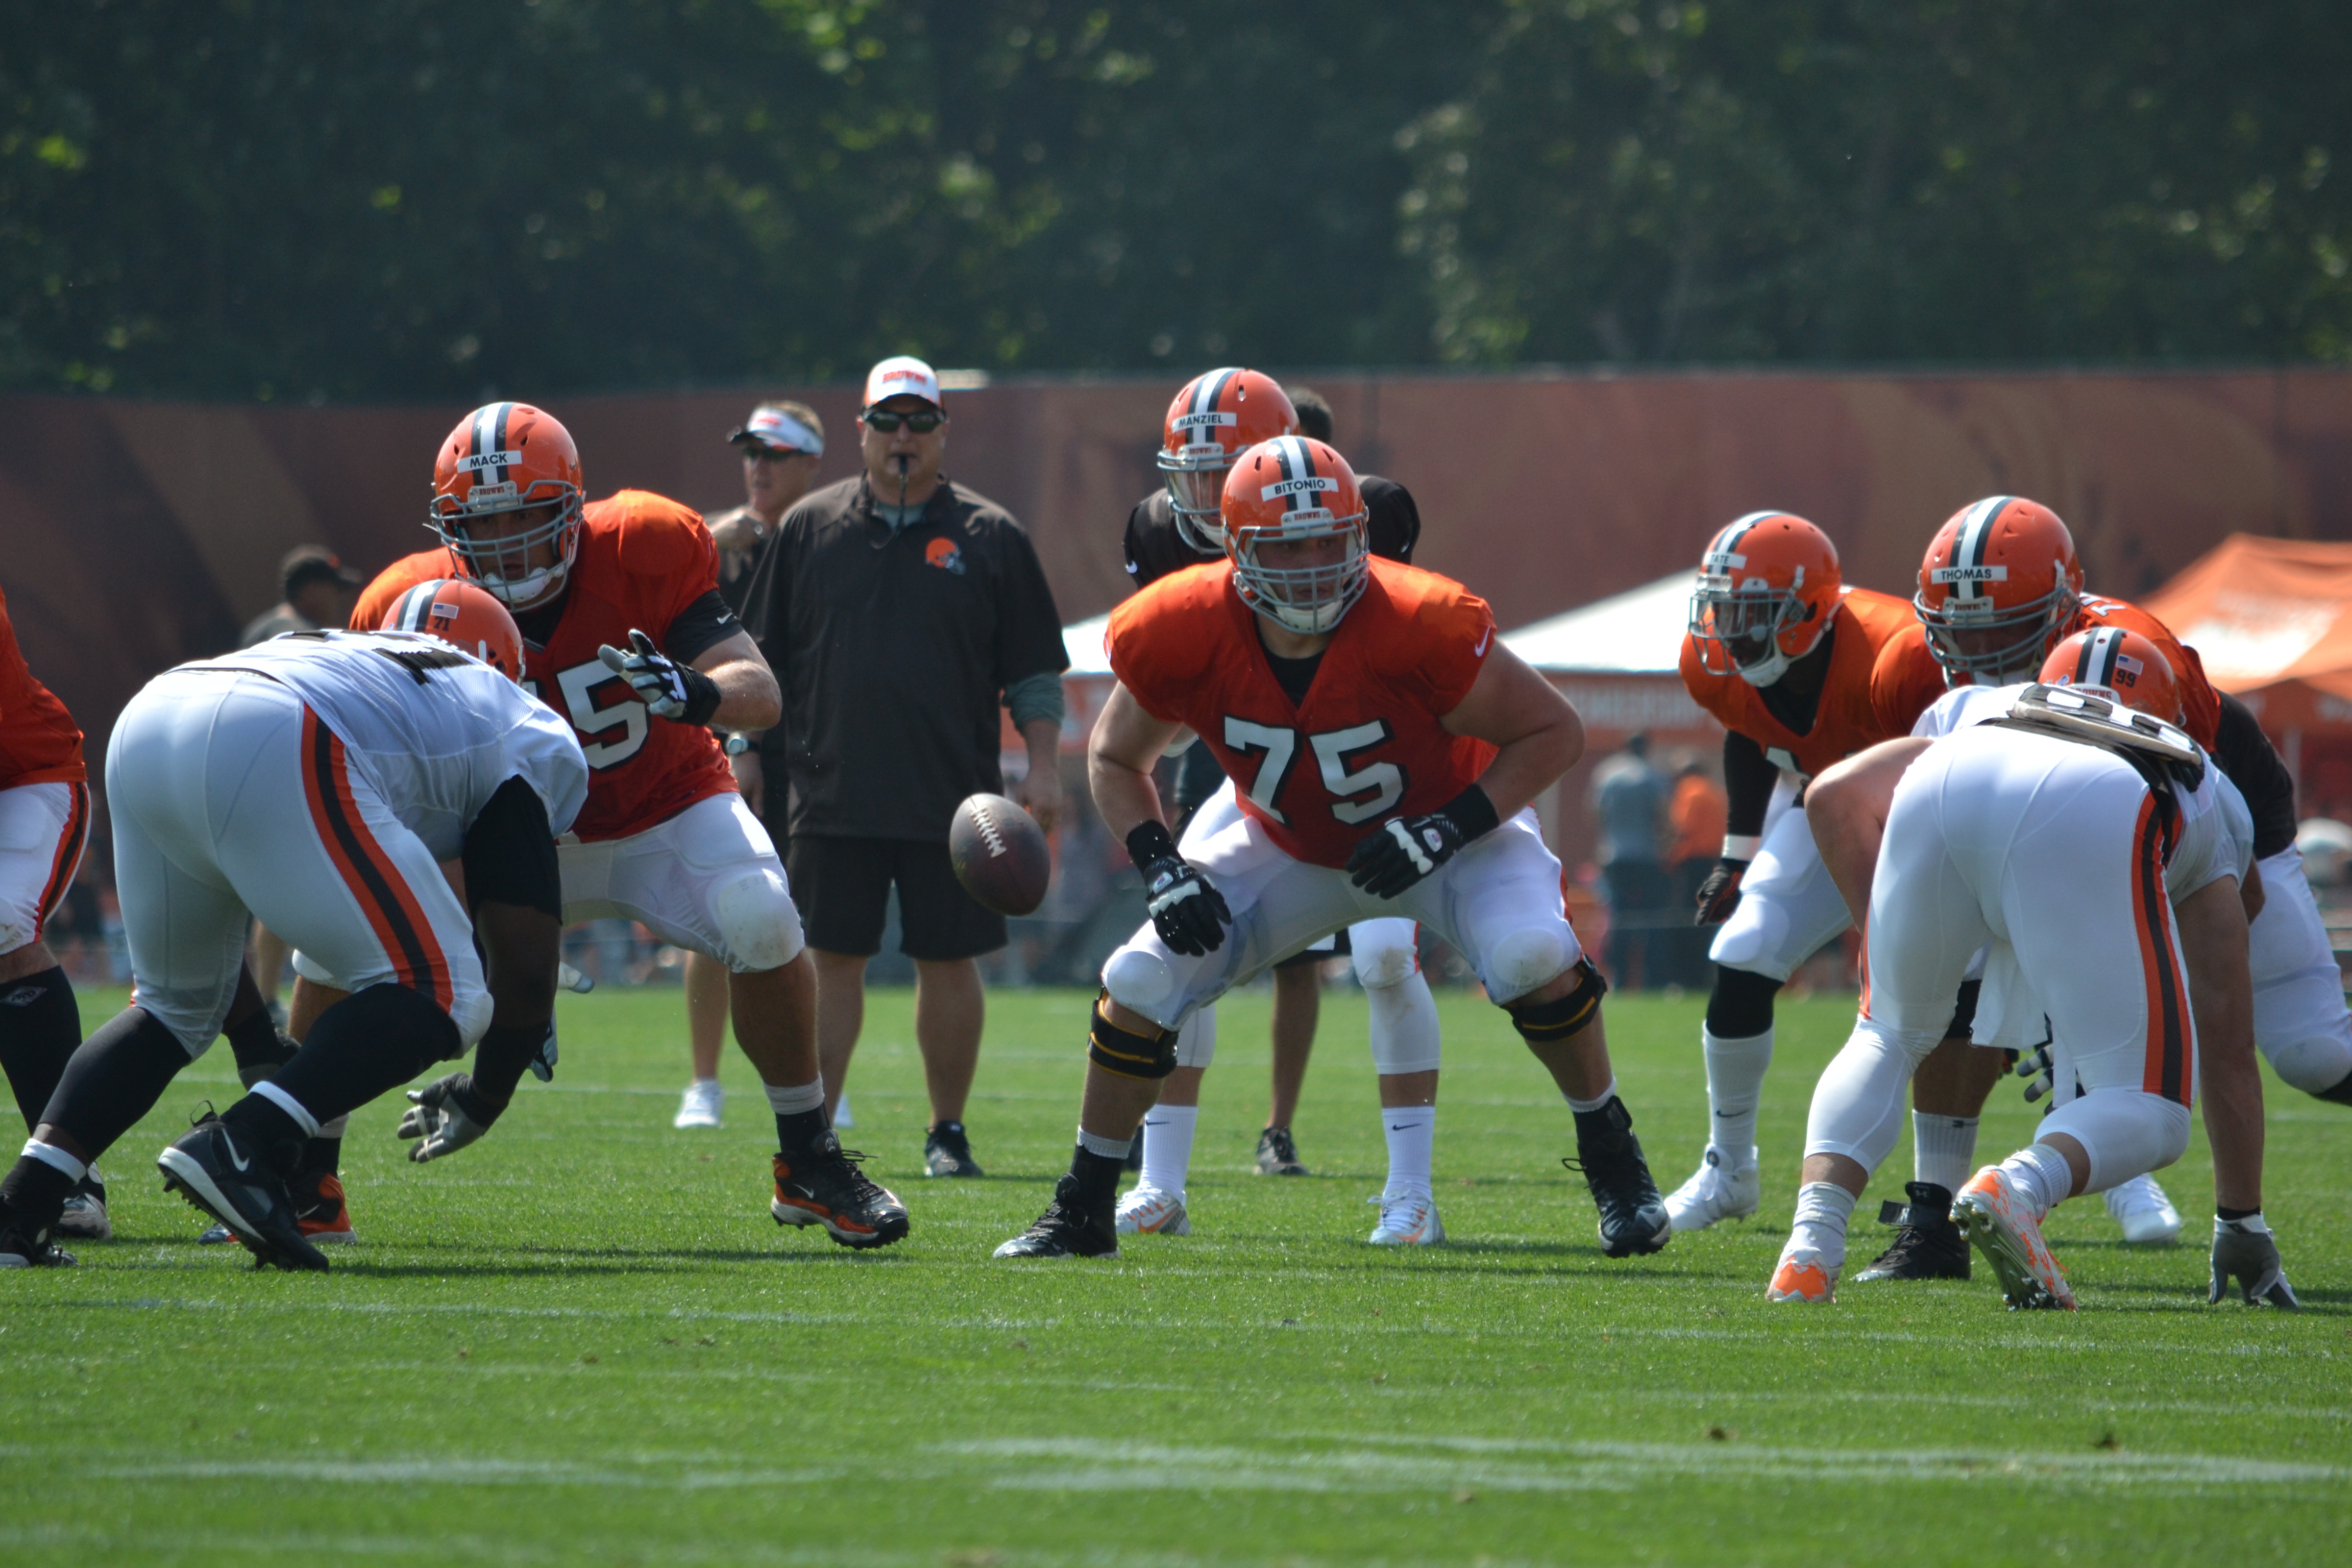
x=435, y=731
x=2217, y=829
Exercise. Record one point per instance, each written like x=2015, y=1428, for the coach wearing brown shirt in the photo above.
x=898, y=609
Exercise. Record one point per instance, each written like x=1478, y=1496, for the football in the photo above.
x=999, y=853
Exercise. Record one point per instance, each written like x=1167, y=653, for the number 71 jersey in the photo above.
x=642, y=561
x=1364, y=746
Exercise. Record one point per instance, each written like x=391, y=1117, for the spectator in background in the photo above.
x=1696, y=813
x=781, y=444
x=319, y=592
x=896, y=609
x=1628, y=806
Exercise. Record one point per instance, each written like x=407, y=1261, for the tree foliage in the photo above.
x=278, y=198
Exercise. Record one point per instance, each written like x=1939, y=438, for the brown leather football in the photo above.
x=1000, y=855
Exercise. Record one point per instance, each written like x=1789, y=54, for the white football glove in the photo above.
x=570, y=979
x=665, y=687
x=2245, y=1248
x=445, y=1116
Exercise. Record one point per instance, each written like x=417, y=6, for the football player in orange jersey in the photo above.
x=44, y=824
x=626, y=635
x=1391, y=750
x=1781, y=652
x=2000, y=584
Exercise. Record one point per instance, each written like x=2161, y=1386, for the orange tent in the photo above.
x=2272, y=619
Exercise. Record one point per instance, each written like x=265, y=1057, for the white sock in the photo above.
x=294, y=1109
x=2041, y=1176
x=1734, y=1083
x=57, y=1159
x=1822, y=1210
x=1412, y=1134
x=1583, y=1106
x=336, y=1127
x=1168, y=1147
x=795, y=1099
x=1943, y=1149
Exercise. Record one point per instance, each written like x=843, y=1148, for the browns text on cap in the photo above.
x=774, y=428
x=902, y=377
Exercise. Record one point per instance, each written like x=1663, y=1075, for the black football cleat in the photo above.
x=947, y=1152
x=230, y=1181
x=1277, y=1153
x=1926, y=1245
x=829, y=1189
x=1065, y=1229
x=1608, y=1157
x=20, y=1250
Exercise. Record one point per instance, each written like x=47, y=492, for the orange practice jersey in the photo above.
x=1845, y=722
x=1908, y=678
x=1365, y=746
x=39, y=743
x=642, y=559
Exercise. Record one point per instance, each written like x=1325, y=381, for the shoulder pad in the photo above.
x=2072, y=714
x=655, y=533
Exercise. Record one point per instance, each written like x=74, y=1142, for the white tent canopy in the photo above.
x=1084, y=643
x=1634, y=633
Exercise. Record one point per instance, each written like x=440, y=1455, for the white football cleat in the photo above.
x=2146, y=1216
x=1148, y=1211
x=1715, y=1190
x=1408, y=1221
x=1803, y=1274
x=701, y=1105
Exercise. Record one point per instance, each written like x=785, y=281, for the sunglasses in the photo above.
x=888, y=421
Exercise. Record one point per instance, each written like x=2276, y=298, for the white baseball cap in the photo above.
x=778, y=431
x=902, y=377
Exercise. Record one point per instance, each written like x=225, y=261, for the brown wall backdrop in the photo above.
x=134, y=535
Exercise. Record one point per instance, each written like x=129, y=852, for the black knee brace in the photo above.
x=1126, y=1053
x=1740, y=1006
x=1542, y=1023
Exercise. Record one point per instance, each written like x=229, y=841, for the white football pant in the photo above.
x=1788, y=904
x=43, y=829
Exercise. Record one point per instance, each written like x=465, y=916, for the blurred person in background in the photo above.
x=781, y=444
x=1696, y=813
x=898, y=609
x=1628, y=806
x=319, y=592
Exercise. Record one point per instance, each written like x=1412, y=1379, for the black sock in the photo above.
x=260, y=1049
x=1098, y=1176
x=115, y=1079
x=32, y=1196
x=40, y=1028
x=799, y=1132
x=370, y=1042
x=321, y=1157
x=1604, y=1125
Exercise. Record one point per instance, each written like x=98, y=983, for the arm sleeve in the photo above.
x=699, y=627
x=2247, y=757
x=1028, y=627
x=1036, y=697
x=1748, y=778
x=509, y=853
x=1395, y=520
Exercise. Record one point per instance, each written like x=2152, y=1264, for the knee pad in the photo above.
x=1404, y=1034
x=2127, y=1132
x=1381, y=963
x=1139, y=979
x=1529, y=958
x=1542, y=1023
x=1126, y=1053
x=757, y=922
x=1740, y=1006
x=2315, y=1066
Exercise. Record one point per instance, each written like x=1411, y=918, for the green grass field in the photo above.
x=584, y=1340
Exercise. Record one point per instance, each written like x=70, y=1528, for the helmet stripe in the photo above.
x=1974, y=539
x=504, y=410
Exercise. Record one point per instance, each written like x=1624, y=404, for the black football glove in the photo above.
x=2246, y=1248
x=1407, y=849
x=1186, y=908
x=445, y=1116
x=1719, y=894
x=672, y=689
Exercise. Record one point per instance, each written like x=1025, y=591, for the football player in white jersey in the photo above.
x=2102, y=869
x=317, y=783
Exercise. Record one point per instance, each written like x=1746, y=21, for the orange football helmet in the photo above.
x=1998, y=584
x=1766, y=588
x=464, y=615
x=1298, y=498
x=1216, y=418
x=2123, y=663
x=508, y=457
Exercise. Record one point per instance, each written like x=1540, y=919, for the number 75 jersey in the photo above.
x=1365, y=745
x=644, y=560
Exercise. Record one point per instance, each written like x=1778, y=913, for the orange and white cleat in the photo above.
x=1999, y=1224
x=1802, y=1276
x=321, y=1208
